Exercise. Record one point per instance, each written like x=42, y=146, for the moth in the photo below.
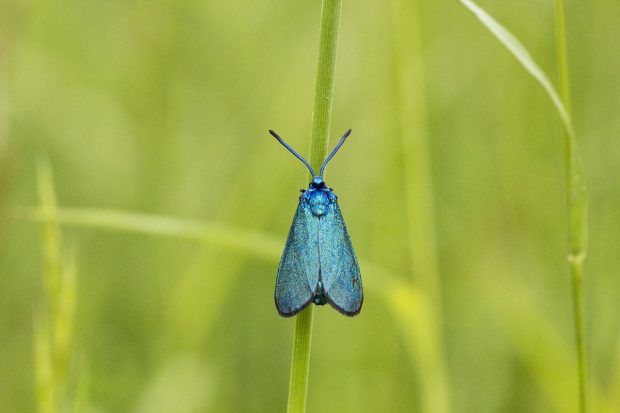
x=318, y=264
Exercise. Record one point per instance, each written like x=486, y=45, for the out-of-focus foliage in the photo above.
x=163, y=107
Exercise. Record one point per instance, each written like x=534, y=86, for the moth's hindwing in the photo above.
x=298, y=273
x=340, y=272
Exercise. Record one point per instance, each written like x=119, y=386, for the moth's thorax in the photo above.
x=318, y=197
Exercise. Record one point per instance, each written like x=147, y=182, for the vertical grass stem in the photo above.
x=321, y=120
x=298, y=385
x=576, y=198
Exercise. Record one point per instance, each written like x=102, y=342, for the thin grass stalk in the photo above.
x=576, y=211
x=321, y=121
x=324, y=89
x=300, y=361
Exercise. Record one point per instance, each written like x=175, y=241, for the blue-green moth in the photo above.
x=318, y=263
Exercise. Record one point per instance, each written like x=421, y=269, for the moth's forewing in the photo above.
x=298, y=273
x=340, y=272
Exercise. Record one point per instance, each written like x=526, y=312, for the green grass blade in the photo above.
x=300, y=361
x=517, y=49
x=46, y=361
x=575, y=182
x=59, y=278
x=192, y=230
x=50, y=237
x=562, y=55
x=324, y=88
x=577, y=204
x=577, y=213
x=321, y=121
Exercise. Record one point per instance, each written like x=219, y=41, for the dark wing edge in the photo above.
x=345, y=312
x=340, y=271
x=295, y=311
x=298, y=272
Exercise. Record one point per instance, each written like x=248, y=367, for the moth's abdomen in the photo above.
x=319, y=298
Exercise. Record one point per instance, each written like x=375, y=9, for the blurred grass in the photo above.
x=536, y=340
x=426, y=324
x=161, y=109
x=54, y=322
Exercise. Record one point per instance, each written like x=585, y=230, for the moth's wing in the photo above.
x=298, y=273
x=340, y=272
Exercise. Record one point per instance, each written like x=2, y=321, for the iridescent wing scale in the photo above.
x=298, y=273
x=340, y=272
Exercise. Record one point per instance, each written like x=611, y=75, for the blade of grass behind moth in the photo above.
x=255, y=243
x=411, y=112
x=208, y=232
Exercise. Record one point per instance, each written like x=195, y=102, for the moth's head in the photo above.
x=318, y=198
x=317, y=183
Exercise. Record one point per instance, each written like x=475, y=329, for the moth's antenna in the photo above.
x=275, y=135
x=331, y=155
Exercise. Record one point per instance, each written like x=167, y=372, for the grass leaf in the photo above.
x=523, y=56
x=575, y=182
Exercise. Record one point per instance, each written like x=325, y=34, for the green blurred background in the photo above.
x=163, y=108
